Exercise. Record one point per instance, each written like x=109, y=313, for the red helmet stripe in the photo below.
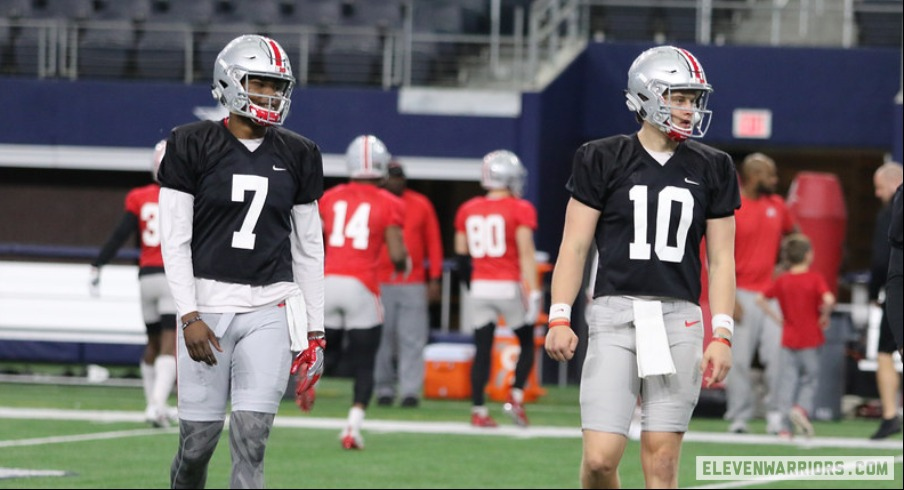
x=277, y=55
x=695, y=65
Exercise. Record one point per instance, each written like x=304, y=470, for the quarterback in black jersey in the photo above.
x=646, y=201
x=243, y=251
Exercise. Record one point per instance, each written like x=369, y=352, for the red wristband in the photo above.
x=723, y=340
x=560, y=322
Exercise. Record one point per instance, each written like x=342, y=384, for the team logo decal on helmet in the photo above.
x=253, y=56
x=652, y=79
x=502, y=169
x=367, y=158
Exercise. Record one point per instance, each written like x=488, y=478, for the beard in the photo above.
x=765, y=189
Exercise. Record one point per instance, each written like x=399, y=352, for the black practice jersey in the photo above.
x=653, y=217
x=242, y=200
x=896, y=229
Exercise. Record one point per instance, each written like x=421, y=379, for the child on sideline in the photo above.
x=806, y=303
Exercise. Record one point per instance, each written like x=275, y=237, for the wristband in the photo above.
x=560, y=310
x=723, y=321
x=190, y=321
x=560, y=322
x=722, y=340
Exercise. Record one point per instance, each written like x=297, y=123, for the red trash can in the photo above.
x=816, y=201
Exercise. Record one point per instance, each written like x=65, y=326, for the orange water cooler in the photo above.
x=816, y=201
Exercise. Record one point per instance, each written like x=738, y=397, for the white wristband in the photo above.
x=560, y=310
x=723, y=321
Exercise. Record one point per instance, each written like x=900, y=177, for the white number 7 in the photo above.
x=244, y=238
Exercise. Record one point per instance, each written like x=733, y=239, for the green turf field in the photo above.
x=94, y=437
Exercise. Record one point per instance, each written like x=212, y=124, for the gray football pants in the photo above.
x=405, y=332
x=756, y=332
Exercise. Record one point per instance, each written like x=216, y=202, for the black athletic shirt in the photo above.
x=242, y=199
x=653, y=216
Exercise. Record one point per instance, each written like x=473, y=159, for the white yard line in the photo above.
x=460, y=428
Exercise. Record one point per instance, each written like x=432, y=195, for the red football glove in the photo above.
x=308, y=365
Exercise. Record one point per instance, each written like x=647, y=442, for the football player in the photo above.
x=243, y=250
x=158, y=362
x=646, y=200
x=359, y=219
x=494, y=243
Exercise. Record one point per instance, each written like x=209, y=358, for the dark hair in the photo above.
x=794, y=248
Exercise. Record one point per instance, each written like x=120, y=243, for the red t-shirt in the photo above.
x=490, y=225
x=800, y=296
x=355, y=217
x=143, y=202
x=759, y=227
x=422, y=239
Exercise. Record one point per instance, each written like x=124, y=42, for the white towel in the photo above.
x=220, y=329
x=297, y=316
x=653, y=354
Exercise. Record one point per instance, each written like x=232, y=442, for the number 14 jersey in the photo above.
x=653, y=216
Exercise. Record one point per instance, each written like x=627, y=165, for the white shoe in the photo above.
x=774, y=425
x=155, y=418
x=351, y=439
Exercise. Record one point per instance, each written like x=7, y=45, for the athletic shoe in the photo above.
x=410, y=402
x=774, y=423
x=738, y=427
x=886, y=428
x=384, y=401
x=155, y=418
x=351, y=439
x=801, y=421
x=784, y=435
x=478, y=420
x=516, y=411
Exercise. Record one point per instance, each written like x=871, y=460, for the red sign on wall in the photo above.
x=752, y=123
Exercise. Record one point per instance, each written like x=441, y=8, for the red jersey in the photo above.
x=759, y=227
x=800, y=296
x=422, y=239
x=355, y=217
x=489, y=225
x=143, y=203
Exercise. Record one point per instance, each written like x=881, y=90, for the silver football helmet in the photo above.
x=367, y=158
x=159, y=151
x=502, y=169
x=247, y=56
x=652, y=78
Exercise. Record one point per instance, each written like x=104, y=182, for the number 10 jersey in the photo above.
x=653, y=216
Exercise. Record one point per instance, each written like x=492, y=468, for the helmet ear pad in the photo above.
x=634, y=104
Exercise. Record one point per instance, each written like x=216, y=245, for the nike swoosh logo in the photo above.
x=689, y=181
x=279, y=169
x=691, y=324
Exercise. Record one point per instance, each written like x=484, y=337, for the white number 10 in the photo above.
x=639, y=249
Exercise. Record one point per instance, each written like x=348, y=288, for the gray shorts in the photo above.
x=609, y=382
x=252, y=371
x=348, y=304
x=156, y=298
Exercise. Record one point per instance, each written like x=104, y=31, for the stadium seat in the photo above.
x=108, y=51
x=353, y=59
x=628, y=23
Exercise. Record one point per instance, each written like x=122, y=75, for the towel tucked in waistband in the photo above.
x=653, y=354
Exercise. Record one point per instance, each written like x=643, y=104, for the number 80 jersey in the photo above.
x=653, y=216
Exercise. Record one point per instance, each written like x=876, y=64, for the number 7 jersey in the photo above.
x=652, y=216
